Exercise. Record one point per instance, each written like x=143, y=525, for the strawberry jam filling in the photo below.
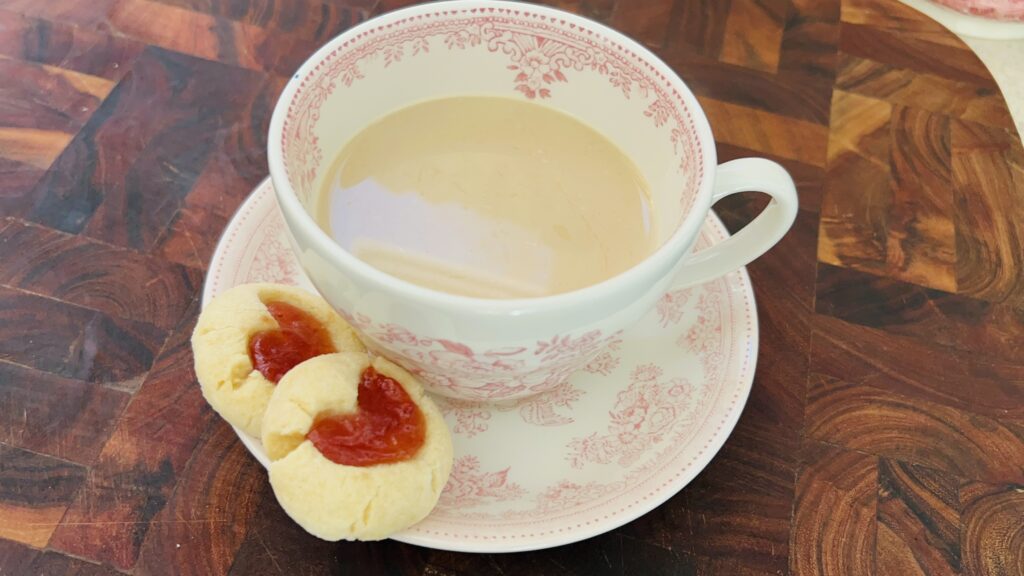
x=298, y=337
x=386, y=427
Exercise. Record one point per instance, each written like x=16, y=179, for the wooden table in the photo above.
x=885, y=431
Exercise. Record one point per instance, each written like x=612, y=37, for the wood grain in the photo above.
x=699, y=26
x=858, y=191
x=35, y=490
x=907, y=429
x=198, y=532
x=824, y=541
x=112, y=280
x=14, y=557
x=988, y=164
x=916, y=504
x=798, y=96
x=992, y=537
x=921, y=237
x=76, y=342
x=98, y=186
x=273, y=542
x=66, y=47
x=930, y=316
x=60, y=417
x=236, y=165
x=884, y=432
x=749, y=128
x=140, y=464
x=936, y=94
x=52, y=563
x=647, y=22
x=753, y=34
x=48, y=98
x=318, y=20
x=810, y=38
x=983, y=384
x=17, y=179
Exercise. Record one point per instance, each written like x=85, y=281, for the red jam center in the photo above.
x=298, y=337
x=387, y=427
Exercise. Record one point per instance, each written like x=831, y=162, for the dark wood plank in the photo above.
x=810, y=39
x=112, y=280
x=899, y=49
x=908, y=429
x=236, y=165
x=68, y=47
x=76, y=342
x=211, y=37
x=991, y=534
x=809, y=180
x=834, y=515
x=35, y=490
x=753, y=33
x=917, y=505
x=17, y=179
x=789, y=94
x=199, y=532
x=141, y=463
x=988, y=172
x=698, y=26
x=784, y=289
x=928, y=316
x=91, y=15
x=42, y=97
x=103, y=183
x=902, y=20
x=970, y=381
x=858, y=195
x=965, y=100
x=646, y=22
x=739, y=507
x=273, y=541
x=315, y=20
x=14, y=557
x=768, y=133
x=54, y=564
x=65, y=418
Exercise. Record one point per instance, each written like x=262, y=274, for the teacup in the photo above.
x=500, y=350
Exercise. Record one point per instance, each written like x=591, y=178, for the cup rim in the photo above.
x=665, y=257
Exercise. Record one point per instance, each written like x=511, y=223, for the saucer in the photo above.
x=625, y=433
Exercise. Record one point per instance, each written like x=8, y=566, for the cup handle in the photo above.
x=744, y=175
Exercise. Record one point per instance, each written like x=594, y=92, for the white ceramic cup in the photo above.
x=480, y=349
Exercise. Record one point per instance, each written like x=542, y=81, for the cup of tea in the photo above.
x=491, y=192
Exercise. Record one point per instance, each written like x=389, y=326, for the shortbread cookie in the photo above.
x=249, y=336
x=358, y=451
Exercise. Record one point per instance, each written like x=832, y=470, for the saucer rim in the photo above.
x=527, y=543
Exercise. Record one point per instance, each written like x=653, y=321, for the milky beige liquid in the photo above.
x=488, y=197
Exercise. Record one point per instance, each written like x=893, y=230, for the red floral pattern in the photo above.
x=541, y=52
x=472, y=418
x=456, y=369
x=567, y=494
x=671, y=307
x=995, y=9
x=704, y=337
x=469, y=487
x=273, y=260
x=643, y=413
